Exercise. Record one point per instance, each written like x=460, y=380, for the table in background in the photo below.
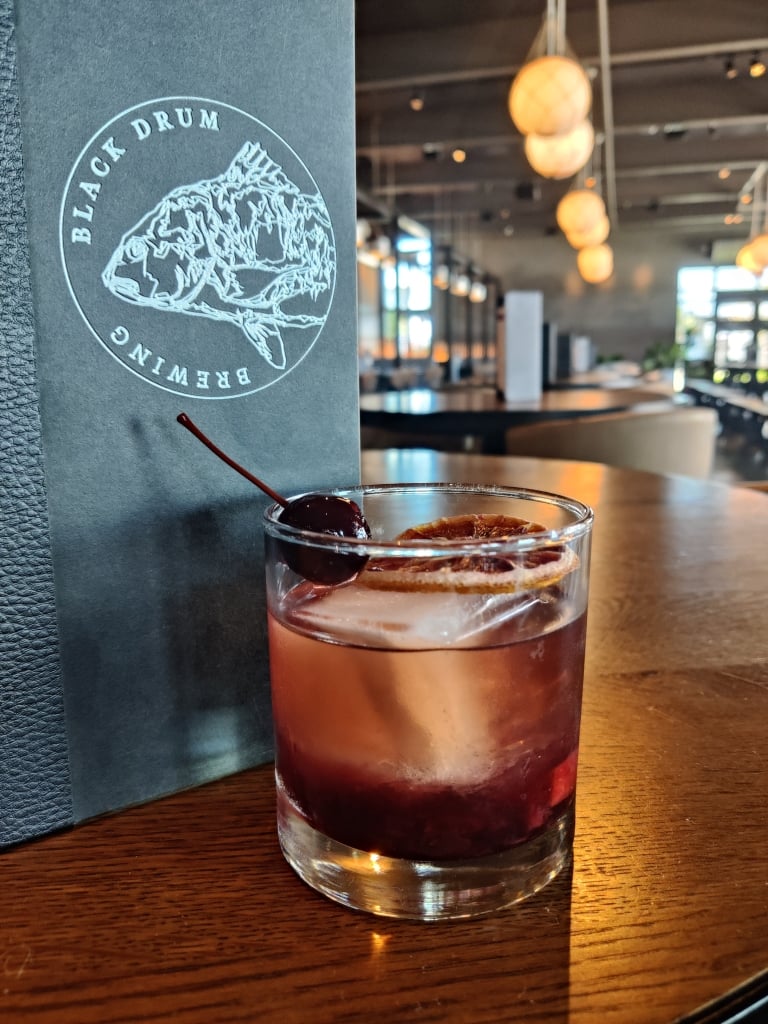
x=740, y=413
x=479, y=412
x=183, y=910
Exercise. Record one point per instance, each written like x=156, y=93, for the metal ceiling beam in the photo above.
x=694, y=124
x=662, y=170
x=677, y=199
x=659, y=55
x=650, y=128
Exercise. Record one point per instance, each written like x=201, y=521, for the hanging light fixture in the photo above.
x=381, y=246
x=478, y=292
x=551, y=94
x=746, y=260
x=581, y=213
x=595, y=263
x=758, y=249
x=579, y=210
x=560, y=156
x=442, y=277
x=594, y=236
x=362, y=231
x=460, y=285
x=754, y=255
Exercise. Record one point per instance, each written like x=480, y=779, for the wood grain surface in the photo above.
x=183, y=910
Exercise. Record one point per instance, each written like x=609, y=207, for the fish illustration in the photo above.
x=237, y=248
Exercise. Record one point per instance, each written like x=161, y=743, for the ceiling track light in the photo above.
x=731, y=71
x=756, y=67
x=416, y=102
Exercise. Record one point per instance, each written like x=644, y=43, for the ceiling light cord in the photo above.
x=550, y=20
x=609, y=159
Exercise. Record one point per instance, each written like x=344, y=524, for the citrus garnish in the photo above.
x=489, y=572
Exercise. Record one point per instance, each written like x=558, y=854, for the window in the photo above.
x=407, y=299
x=721, y=317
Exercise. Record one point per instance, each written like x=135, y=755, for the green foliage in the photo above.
x=663, y=356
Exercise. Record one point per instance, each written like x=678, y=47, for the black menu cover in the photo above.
x=177, y=205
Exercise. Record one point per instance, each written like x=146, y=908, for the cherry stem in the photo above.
x=185, y=421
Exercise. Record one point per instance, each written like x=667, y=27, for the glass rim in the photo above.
x=380, y=548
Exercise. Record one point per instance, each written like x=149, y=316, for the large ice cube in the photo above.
x=410, y=620
x=426, y=701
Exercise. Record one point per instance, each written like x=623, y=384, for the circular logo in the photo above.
x=197, y=247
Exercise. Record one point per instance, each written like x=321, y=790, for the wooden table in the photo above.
x=183, y=910
x=722, y=394
x=479, y=412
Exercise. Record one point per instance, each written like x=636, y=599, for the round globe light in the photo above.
x=363, y=231
x=758, y=248
x=460, y=285
x=595, y=263
x=549, y=96
x=478, y=292
x=442, y=278
x=382, y=247
x=560, y=156
x=747, y=260
x=595, y=235
x=579, y=211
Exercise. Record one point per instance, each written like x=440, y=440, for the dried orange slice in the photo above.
x=485, y=572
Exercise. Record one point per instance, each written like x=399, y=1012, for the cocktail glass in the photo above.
x=427, y=711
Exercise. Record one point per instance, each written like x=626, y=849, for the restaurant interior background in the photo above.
x=447, y=195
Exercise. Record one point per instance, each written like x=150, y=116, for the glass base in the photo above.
x=422, y=890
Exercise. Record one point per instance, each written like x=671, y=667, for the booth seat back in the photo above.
x=673, y=440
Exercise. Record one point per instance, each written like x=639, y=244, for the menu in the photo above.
x=179, y=191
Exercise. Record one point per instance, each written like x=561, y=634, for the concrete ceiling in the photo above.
x=668, y=116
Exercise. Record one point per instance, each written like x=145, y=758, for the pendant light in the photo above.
x=478, y=292
x=550, y=100
x=758, y=249
x=595, y=263
x=442, y=277
x=579, y=211
x=754, y=255
x=596, y=234
x=460, y=284
x=560, y=156
x=550, y=96
x=746, y=259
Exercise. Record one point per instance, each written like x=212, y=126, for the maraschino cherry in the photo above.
x=319, y=513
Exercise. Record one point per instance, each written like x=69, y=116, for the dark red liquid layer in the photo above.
x=430, y=821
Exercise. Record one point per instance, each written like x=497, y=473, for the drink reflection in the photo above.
x=524, y=950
